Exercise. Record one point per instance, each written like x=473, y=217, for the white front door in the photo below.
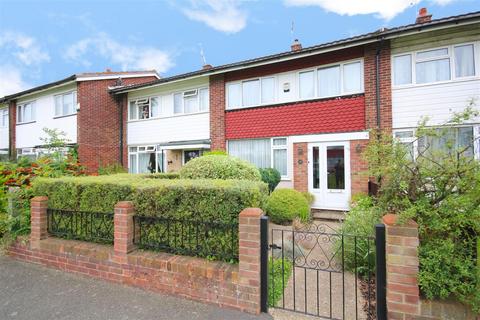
x=329, y=174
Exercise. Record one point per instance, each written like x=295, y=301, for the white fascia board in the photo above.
x=186, y=146
x=330, y=137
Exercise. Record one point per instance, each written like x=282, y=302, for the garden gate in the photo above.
x=317, y=271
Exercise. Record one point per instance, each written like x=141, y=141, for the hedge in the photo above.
x=207, y=200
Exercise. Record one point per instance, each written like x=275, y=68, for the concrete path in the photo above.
x=30, y=291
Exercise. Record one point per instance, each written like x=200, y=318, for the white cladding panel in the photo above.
x=29, y=134
x=4, y=132
x=175, y=128
x=437, y=101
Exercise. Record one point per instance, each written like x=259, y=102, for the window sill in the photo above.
x=168, y=117
x=22, y=123
x=65, y=116
x=297, y=101
x=410, y=86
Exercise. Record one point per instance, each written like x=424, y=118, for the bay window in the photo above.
x=66, y=104
x=26, y=112
x=434, y=65
x=264, y=153
x=145, y=159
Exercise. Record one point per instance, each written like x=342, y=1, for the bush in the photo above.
x=162, y=175
x=200, y=200
x=113, y=168
x=284, y=205
x=219, y=167
x=276, y=285
x=215, y=152
x=310, y=197
x=271, y=177
x=359, y=223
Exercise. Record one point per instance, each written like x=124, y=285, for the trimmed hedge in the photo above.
x=207, y=200
x=284, y=205
x=219, y=167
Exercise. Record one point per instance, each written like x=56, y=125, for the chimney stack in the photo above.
x=423, y=16
x=296, y=45
x=207, y=66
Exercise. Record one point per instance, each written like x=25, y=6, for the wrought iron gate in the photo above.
x=316, y=270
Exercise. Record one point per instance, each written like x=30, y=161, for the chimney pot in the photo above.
x=423, y=16
x=296, y=45
x=108, y=70
x=207, y=67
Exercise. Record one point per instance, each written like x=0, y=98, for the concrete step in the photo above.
x=331, y=215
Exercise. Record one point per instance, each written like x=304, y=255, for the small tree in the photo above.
x=55, y=142
x=439, y=187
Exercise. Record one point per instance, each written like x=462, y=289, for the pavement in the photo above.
x=29, y=291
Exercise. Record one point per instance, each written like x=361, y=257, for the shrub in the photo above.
x=215, y=152
x=310, y=197
x=358, y=226
x=219, y=167
x=162, y=175
x=271, y=177
x=113, y=168
x=199, y=200
x=284, y=205
x=276, y=285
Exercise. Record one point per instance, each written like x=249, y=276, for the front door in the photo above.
x=329, y=174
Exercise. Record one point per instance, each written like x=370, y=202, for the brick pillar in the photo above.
x=249, y=259
x=358, y=167
x=217, y=112
x=403, y=297
x=123, y=230
x=300, y=166
x=38, y=220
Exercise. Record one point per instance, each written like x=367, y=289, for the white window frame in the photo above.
x=4, y=113
x=197, y=94
x=21, y=106
x=159, y=98
x=274, y=147
x=148, y=149
x=74, y=105
x=450, y=56
x=297, y=82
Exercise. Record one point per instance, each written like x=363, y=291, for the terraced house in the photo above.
x=307, y=112
x=79, y=106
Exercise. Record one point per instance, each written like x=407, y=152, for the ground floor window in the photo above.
x=464, y=139
x=145, y=159
x=35, y=153
x=191, y=154
x=264, y=153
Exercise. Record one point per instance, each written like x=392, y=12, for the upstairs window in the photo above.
x=26, y=112
x=4, y=118
x=435, y=65
x=145, y=108
x=66, y=104
x=307, y=84
x=191, y=101
x=329, y=81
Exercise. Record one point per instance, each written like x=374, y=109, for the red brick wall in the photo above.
x=324, y=116
x=300, y=166
x=385, y=87
x=217, y=112
x=98, y=123
x=358, y=167
x=12, y=128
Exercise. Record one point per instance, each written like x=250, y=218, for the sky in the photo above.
x=46, y=40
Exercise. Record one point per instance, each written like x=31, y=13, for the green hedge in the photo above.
x=218, y=200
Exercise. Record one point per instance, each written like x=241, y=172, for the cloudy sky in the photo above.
x=43, y=41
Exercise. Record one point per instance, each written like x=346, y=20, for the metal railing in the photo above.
x=80, y=225
x=211, y=240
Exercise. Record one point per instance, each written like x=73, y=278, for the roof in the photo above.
x=367, y=37
x=78, y=77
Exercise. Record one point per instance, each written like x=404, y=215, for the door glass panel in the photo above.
x=335, y=167
x=316, y=171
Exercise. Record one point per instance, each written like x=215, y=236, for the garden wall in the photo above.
x=236, y=286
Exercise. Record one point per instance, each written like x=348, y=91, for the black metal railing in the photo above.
x=211, y=240
x=80, y=225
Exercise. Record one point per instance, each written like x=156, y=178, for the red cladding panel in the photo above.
x=326, y=116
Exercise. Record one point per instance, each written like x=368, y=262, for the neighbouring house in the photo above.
x=79, y=105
